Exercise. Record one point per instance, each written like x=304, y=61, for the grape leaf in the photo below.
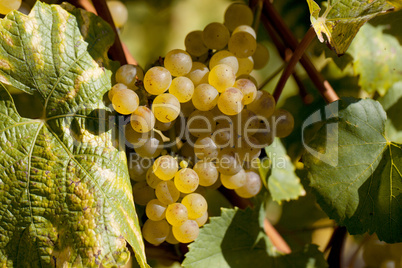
x=392, y=104
x=355, y=170
x=377, y=58
x=236, y=239
x=342, y=19
x=283, y=183
x=65, y=193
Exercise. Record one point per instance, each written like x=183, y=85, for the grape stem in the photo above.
x=286, y=54
x=84, y=4
x=276, y=238
x=323, y=86
x=116, y=51
x=297, y=54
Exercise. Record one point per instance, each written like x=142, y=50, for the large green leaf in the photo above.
x=283, y=183
x=392, y=104
x=342, y=19
x=377, y=56
x=236, y=239
x=355, y=170
x=65, y=194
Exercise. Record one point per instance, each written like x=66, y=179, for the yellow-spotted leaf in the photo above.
x=65, y=194
x=342, y=19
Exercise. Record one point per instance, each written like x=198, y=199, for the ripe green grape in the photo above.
x=119, y=13
x=155, y=210
x=200, y=123
x=128, y=75
x=178, y=62
x=187, y=232
x=263, y=104
x=135, y=138
x=205, y=97
x=196, y=205
x=245, y=123
x=282, y=123
x=138, y=168
x=166, y=192
x=125, y=101
x=222, y=135
x=230, y=102
x=182, y=88
x=157, y=80
x=238, y=14
x=166, y=107
x=228, y=161
x=199, y=73
x=248, y=148
x=248, y=89
x=152, y=147
x=243, y=42
x=234, y=181
x=202, y=220
x=221, y=77
x=114, y=89
x=9, y=5
x=163, y=126
x=176, y=214
x=252, y=185
x=194, y=44
x=165, y=167
x=207, y=172
x=205, y=148
x=186, y=180
x=143, y=193
x=246, y=65
x=224, y=57
x=215, y=35
x=152, y=179
x=261, y=56
x=265, y=134
x=155, y=232
x=142, y=120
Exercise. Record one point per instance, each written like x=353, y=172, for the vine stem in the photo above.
x=323, y=86
x=297, y=54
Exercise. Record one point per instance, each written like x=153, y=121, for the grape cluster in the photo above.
x=203, y=106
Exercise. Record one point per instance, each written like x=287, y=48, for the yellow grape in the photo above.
x=198, y=74
x=187, y=108
x=196, y=205
x=282, y=123
x=252, y=186
x=152, y=147
x=6, y=6
x=200, y=123
x=261, y=56
x=230, y=102
x=234, y=181
x=114, y=89
x=246, y=65
x=157, y=80
x=170, y=238
x=248, y=89
x=165, y=167
x=187, y=232
x=152, y=179
x=202, y=220
x=215, y=35
x=135, y=138
x=163, y=126
x=194, y=44
x=205, y=97
x=243, y=42
x=128, y=75
x=221, y=77
x=182, y=88
x=224, y=57
x=207, y=172
x=119, y=13
x=176, y=214
x=155, y=210
x=166, y=107
x=142, y=120
x=178, y=62
x=155, y=232
x=238, y=14
x=166, y=192
x=263, y=104
x=205, y=148
x=228, y=162
x=125, y=101
x=186, y=180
